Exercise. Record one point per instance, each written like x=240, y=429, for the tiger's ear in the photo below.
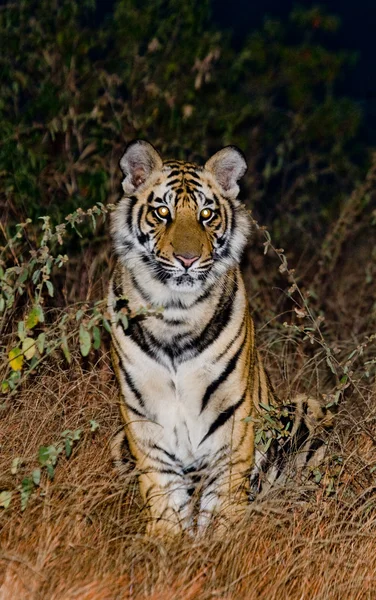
x=227, y=166
x=138, y=162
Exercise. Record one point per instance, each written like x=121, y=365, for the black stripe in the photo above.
x=121, y=303
x=144, y=341
x=315, y=445
x=132, y=202
x=170, y=455
x=301, y=436
x=141, y=236
x=165, y=472
x=222, y=418
x=131, y=385
x=181, y=344
x=225, y=249
x=144, y=295
x=174, y=322
x=125, y=452
x=231, y=365
x=116, y=283
x=134, y=410
x=194, y=175
x=209, y=482
x=222, y=316
x=160, y=461
x=289, y=448
x=231, y=343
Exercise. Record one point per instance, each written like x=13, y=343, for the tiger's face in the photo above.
x=180, y=223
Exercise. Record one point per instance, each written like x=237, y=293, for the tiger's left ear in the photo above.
x=227, y=166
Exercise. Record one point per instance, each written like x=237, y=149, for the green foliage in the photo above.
x=74, y=93
x=272, y=423
x=27, y=277
x=47, y=457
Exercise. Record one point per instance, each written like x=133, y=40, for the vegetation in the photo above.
x=76, y=86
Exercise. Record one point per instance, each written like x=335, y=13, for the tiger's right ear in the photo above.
x=138, y=162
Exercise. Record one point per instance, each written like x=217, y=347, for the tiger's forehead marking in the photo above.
x=184, y=179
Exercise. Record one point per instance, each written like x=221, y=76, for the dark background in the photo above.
x=357, y=33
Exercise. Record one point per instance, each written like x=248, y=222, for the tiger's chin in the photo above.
x=185, y=283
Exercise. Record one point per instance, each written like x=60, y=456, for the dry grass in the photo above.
x=82, y=534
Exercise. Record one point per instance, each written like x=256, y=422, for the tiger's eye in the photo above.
x=162, y=211
x=206, y=213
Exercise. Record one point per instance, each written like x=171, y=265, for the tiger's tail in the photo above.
x=305, y=423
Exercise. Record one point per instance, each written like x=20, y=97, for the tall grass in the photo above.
x=73, y=528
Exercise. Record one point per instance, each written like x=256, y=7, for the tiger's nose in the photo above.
x=186, y=259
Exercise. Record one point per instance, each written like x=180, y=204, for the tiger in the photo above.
x=183, y=344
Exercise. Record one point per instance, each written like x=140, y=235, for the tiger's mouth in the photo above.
x=180, y=278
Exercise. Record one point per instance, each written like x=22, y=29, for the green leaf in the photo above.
x=43, y=455
x=96, y=337
x=36, y=476
x=50, y=287
x=41, y=339
x=85, y=341
x=106, y=325
x=21, y=330
x=318, y=475
x=48, y=455
x=249, y=419
x=267, y=445
x=28, y=348
x=27, y=487
x=16, y=359
x=93, y=425
x=40, y=313
x=5, y=498
x=68, y=447
x=35, y=316
x=50, y=471
x=35, y=276
x=65, y=349
x=79, y=314
x=16, y=462
x=330, y=365
x=124, y=320
x=76, y=435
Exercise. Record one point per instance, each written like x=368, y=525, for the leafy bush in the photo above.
x=30, y=328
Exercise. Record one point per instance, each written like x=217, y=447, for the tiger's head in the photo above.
x=179, y=224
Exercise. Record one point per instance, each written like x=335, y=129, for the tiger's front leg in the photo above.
x=167, y=501
x=225, y=488
x=163, y=487
x=224, y=495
